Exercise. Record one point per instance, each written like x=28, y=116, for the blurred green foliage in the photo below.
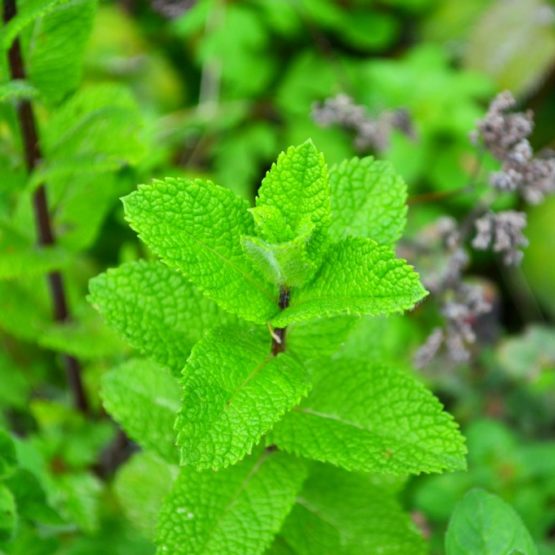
x=123, y=94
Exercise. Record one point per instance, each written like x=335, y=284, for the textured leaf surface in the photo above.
x=144, y=398
x=372, y=419
x=196, y=226
x=319, y=339
x=358, y=276
x=347, y=514
x=483, y=523
x=367, y=200
x=295, y=191
x=231, y=512
x=235, y=390
x=141, y=485
x=156, y=309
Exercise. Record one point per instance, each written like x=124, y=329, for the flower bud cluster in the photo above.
x=503, y=232
x=505, y=134
x=172, y=9
x=370, y=133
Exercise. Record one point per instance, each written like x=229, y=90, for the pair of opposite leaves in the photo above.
x=234, y=391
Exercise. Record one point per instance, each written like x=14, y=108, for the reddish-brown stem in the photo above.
x=278, y=342
x=45, y=232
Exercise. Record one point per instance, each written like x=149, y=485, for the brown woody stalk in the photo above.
x=45, y=232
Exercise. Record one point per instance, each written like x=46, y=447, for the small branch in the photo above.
x=278, y=335
x=45, y=232
x=437, y=195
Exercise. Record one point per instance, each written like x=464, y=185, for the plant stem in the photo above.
x=45, y=232
x=278, y=341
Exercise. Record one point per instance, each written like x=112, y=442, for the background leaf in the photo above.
x=484, y=523
x=144, y=398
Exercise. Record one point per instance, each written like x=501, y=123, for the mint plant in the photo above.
x=258, y=400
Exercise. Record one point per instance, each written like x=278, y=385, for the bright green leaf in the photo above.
x=235, y=390
x=483, y=523
x=348, y=514
x=358, y=276
x=319, y=339
x=156, y=309
x=367, y=200
x=283, y=263
x=144, y=398
x=233, y=511
x=196, y=226
x=372, y=419
x=296, y=189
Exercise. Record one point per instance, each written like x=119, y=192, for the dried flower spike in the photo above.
x=505, y=134
x=370, y=133
x=504, y=233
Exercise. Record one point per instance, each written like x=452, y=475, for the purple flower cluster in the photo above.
x=505, y=134
x=504, y=233
x=370, y=133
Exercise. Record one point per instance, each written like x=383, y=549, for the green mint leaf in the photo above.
x=283, y=263
x=156, y=309
x=295, y=191
x=98, y=128
x=319, y=339
x=143, y=397
x=88, y=139
x=235, y=391
x=483, y=523
x=8, y=456
x=233, y=511
x=28, y=12
x=141, y=485
x=348, y=514
x=78, y=497
x=8, y=514
x=196, y=226
x=367, y=200
x=20, y=257
x=372, y=419
x=56, y=46
x=358, y=276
